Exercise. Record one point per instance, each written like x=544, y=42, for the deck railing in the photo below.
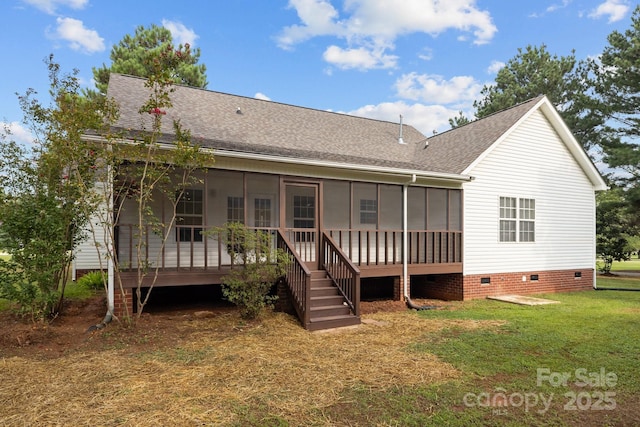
x=384, y=247
x=298, y=278
x=187, y=249
x=344, y=274
x=303, y=241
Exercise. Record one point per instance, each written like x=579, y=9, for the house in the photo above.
x=502, y=205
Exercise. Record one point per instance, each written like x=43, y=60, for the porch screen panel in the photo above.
x=389, y=238
x=364, y=223
x=390, y=207
x=438, y=208
x=336, y=205
x=222, y=186
x=225, y=196
x=263, y=204
x=416, y=208
x=455, y=210
x=365, y=206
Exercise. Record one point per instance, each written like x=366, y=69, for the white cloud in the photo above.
x=495, y=66
x=79, y=37
x=614, y=9
x=435, y=89
x=426, y=55
x=425, y=118
x=262, y=96
x=370, y=28
x=317, y=17
x=16, y=132
x=50, y=6
x=557, y=6
x=360, y=58
x=180, y=34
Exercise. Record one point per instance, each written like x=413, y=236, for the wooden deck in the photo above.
x=324, y=296
x=376, y=253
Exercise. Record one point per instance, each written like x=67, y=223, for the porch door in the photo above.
x=301, y=220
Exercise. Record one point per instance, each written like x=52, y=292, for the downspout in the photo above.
x=594, y=242
x=110, y=249
x=110, y=269
x=405, y=249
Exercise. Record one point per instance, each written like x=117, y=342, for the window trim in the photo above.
x=520, y=214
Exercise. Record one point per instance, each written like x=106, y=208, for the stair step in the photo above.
x=326, y=300
x=324, y=291
x=318, y=274
x=330, y=310
x=321, y=284
x=329, y=322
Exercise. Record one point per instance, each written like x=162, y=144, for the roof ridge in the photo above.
x=530, y=100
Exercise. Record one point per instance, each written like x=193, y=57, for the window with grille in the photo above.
x=189, y=215
x=517, y=219
x=368, y=211
x=304, y=211
x=235, y=209
x=527, y=216
x=262, y=212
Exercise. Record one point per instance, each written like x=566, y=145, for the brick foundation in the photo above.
x=446, y=287
x=456, y=287
x=513, y=283
x=121, y=301
x=398, y=288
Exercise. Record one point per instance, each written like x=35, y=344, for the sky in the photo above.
x=423, y=59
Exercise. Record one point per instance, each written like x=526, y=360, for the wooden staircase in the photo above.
x=329, y=308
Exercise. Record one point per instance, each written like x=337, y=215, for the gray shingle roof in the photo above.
x=267, y=127
x=453, y=151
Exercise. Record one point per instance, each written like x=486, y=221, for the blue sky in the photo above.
x=424, y=59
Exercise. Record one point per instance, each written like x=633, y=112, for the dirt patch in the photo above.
x=69, y=331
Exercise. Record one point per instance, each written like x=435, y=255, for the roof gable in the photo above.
x=460, y=149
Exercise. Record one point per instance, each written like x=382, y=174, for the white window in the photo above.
x=189, y=208
x=527, y=220
x=368, y=211
x=508, y=221
x=235, y=209
x=517, y=219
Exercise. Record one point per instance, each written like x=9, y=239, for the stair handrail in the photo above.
x=298, y=279
x=342, y=271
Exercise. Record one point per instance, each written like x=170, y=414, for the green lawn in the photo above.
x=632, y=265
x=592, y=334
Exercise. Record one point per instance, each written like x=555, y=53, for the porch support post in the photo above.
x=111, y=248
x=405, y=246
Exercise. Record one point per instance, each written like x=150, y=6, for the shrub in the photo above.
x=248, y=287
x=32, y=300
x=94, y=280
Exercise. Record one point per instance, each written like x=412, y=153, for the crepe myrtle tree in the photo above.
x=138, y=173
x=42, y=210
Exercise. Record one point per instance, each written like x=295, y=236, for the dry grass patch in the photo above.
x=220, y=369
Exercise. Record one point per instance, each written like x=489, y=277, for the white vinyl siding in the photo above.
x=531, y=163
